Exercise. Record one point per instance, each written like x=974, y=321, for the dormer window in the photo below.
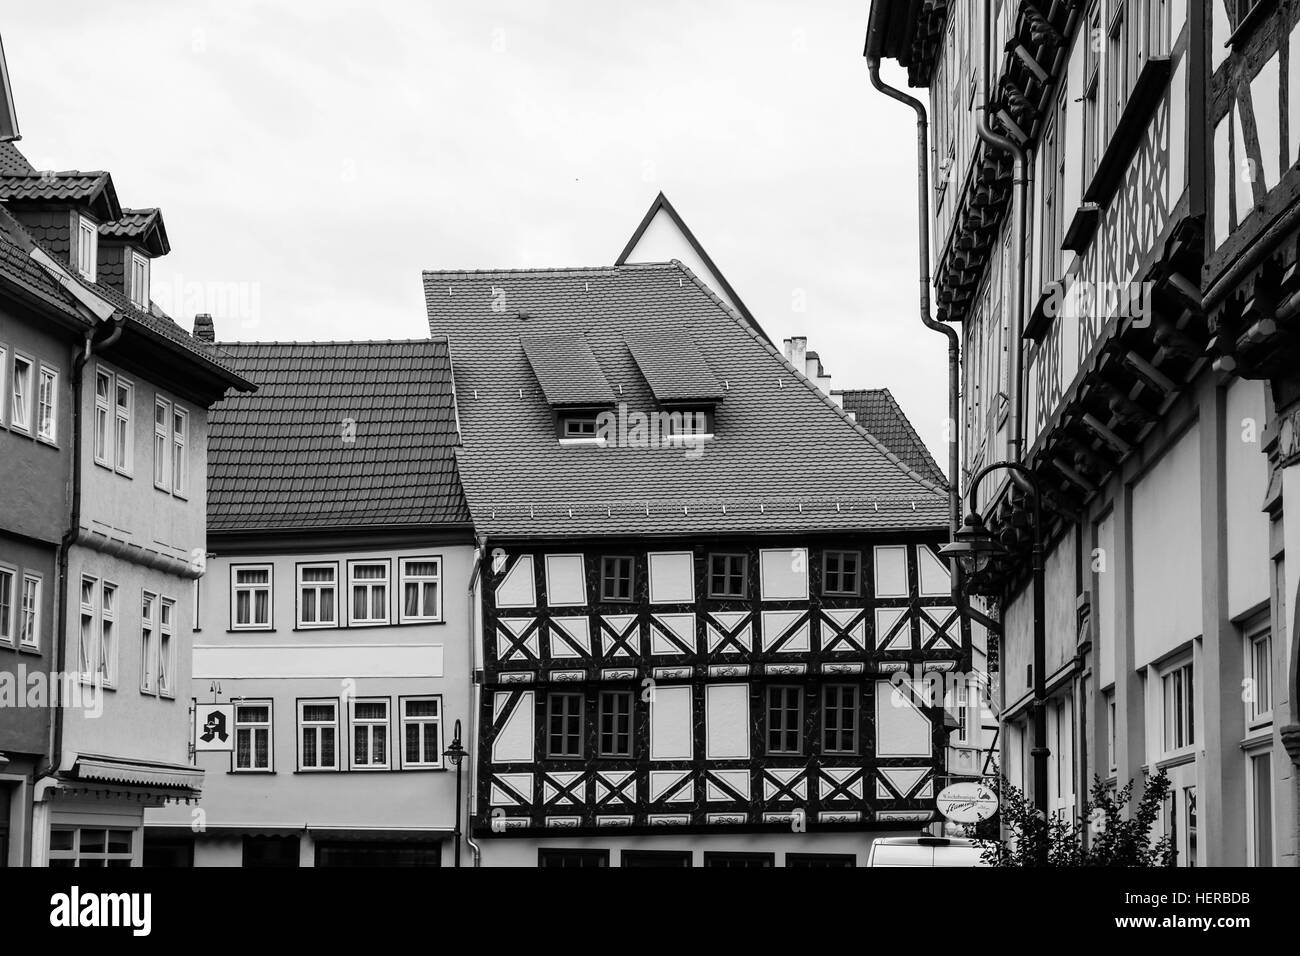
x=579, y=426
x=139, y=281
x=87, y=247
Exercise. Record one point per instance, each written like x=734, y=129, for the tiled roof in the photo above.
x=13, y=162
x=785, y=458
x=18, y=268
x=94, y=189
x=565, y=368
x=144, y=226
x=878, y=412
x=280, y=459
x=673, y=366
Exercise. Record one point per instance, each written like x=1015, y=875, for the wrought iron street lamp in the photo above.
x=974, y=548
x=456, y=753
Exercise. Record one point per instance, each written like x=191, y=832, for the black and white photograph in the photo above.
x=495, y=436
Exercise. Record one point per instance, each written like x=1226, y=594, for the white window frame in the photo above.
x=87, y=246
x=1112, y=731
x=102, y=437
x=1252, y=804
x=419, y=581
x=138, y=276
x=165, y=679
x=316, y=586
x=9, y=612
x=34, y=579
x=162, y=444
x=87, y=666
x=369, y=584
x=123, y=423
x=424, y=723
x=106, y=651
x=1184, y=667
x=47, y=376
x=1257, y=716
x=4, y=378
x=317, y=726
x=368, y=724
x=236, y=587
x=180, y=426
x=101, y=859
x=148, y=642
x=21, y=402
x=253, y=727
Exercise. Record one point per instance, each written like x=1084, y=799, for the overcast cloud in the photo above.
x=321, y=154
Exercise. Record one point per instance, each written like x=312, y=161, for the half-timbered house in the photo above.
x=705, y=592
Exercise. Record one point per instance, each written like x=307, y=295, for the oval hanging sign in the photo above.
x=967, y=802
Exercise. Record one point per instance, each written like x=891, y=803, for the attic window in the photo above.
x=139, y=281
x=579, y=426
x=87, y=247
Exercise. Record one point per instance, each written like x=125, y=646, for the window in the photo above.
x=727, y=575
x=107, y=654
x=103, y=388
x=251, y=597
x=1053, y=228
x=180, y=464
x=86, y=635
x=421, y=732
x=687, y=424
x=29, y=621
x=139, y=281
x=369, y=584
x=580, y=426
x=317, y=585
x=1239, y=10
x=122, y=427
x=564, y=725
x=253, y=736
x=616, y=578
x=162, y=413
x=47, y=400
x=784, y=720
x=821, y=859
x=740, y=859
x=1117, y=75
x=4, y=369
x=318, y=732
x=375, y=853
x=279, y=852
x=1111, y=752
x=20, y=408
x=840, y=719
x=842, y=572
x=1092, y=94
x=615, y=714
x=652, y=858
x=421, y=589
x=1261, y=809
x=166, y=678
x=1179, y=708
x=370, y=734
x=148, y=663
x=90, y=847
x=7, y=626
x=572, y=858
x=1259, y=671
x=87, y=247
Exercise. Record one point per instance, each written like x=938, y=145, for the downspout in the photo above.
x=480, y=554
x=1020, y=182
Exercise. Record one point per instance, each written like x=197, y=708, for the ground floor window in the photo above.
x=740, y=859
x=168, y=852
x=91, y=846
x=573, y=858
x=655, y=858
x=1261, y=808
x=821, y=859
x=275, y=851
x=378, y=853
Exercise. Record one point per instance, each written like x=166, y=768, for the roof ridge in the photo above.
x=545, y=270
x=431, y=339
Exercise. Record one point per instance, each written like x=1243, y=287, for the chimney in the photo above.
x=204, y=330
x=796, y=350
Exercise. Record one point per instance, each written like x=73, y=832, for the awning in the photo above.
x=142, y=773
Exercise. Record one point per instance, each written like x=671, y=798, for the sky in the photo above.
x=312, y=158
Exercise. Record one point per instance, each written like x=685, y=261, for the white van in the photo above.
x=925, y=851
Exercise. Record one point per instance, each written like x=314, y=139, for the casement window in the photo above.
x=579, y=426
x=727, y=575
x=106, y=663
x=86, y=665
x=740, y=860
x=1118, y=78
x=253, y=736
x=1112, y=753
x=103, y=389
x=655, y=858
x=368, y=584
x=317, y=595
x=615, y=723
x=139, y=281
x=784, y=719
x=8, y=591
x=842, y=573
x=29, y=613
x=87, y=247
x=837, y=860
x=572, y=858
x=162, y=413
x=4, y=372
x=148, y=649
x=250, y=597
x=1053, y=191
x=123, y=443
x=91, y=847
x=840, y=719
x=564, y=725
x=166, y=674
x=1260, y=795
x=1179, y=707
x=370, y=735
x=47, y=401
x=421, y=732
x=20, y=405
x=421, y=589
x=616, y=578
x=318, y=729
x=1259, y=674
x=180, y=462
x=1092, y=41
